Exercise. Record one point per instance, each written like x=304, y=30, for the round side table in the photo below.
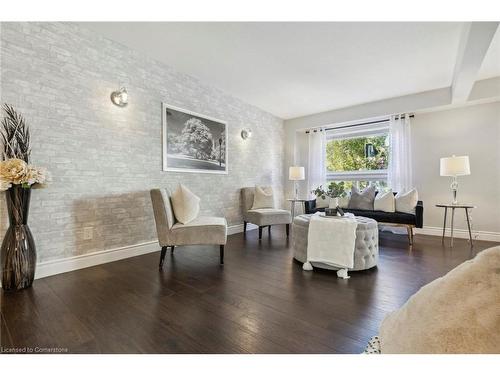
x=466, y=207
x=293, y=202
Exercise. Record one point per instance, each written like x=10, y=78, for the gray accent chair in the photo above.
x=263, y=217
x=201, y=231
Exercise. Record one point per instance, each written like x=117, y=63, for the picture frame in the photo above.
x=193, y=142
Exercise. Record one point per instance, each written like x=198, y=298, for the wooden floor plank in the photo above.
x=5, y=337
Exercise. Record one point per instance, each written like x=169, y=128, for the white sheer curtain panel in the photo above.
x=316, y=168
x=400, y=172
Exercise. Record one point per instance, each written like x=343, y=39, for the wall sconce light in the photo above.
x=246, y=133
x=120, y=97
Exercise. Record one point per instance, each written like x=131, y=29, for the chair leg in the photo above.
x=162, y=255
x=269, y=230
x=172, y=248
x=409, y=228
x=221, y=252
x=287, y=230
x=244, y=227
x=260, y=233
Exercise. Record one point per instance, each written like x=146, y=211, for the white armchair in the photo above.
x=263, y=217
x=201, y=231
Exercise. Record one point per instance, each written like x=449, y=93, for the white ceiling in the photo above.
x=296, y=69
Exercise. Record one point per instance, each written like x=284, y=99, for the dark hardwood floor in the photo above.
x=260, y=301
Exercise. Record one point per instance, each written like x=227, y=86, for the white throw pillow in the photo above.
x=343, y=202
x=322, y=203
x=407, y=202
x=385, y=202
x=186, y=205
x=263, y=197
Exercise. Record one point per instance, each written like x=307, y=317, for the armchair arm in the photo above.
x=310, y=206
x=419, y=214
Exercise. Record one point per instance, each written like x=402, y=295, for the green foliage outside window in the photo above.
x=343, y=155
x=380, y=185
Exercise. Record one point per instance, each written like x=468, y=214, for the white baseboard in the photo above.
x=238, y=228
x=54, y=267
x=233, y=229
x=459, y=233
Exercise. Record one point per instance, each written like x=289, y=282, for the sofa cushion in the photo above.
x=407, y=202
x=362, y=200
x=457, y=313
x=386, y=217
x=343, y=202
x=268, y=216
x=202, y=230
x=384, y=202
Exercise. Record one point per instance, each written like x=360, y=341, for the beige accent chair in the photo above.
x=201, y=231
x=263, y=217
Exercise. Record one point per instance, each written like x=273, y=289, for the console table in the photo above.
x=466, y=207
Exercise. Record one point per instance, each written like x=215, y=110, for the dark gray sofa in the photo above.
x=402, y=219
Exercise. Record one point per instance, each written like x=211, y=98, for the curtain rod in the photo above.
x=359, y=124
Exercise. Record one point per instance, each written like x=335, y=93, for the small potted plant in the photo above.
x=328, y=197
x=336, y=190
x=322, y=197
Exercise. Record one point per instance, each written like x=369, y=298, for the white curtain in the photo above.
x=316, y=168
x=400, y=173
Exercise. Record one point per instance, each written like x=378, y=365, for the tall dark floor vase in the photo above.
x=18, y=253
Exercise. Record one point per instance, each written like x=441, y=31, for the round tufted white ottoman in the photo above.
x=366, y=247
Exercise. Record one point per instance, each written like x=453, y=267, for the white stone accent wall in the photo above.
x=104, y=159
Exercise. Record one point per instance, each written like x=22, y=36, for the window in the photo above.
x=358, y=155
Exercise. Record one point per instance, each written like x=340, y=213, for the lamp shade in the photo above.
x=296, y=174
x=455, y=166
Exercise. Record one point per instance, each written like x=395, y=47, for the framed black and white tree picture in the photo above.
x=193, y=142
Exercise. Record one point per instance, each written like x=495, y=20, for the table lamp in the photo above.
x=296, y=174
x=455, y=166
